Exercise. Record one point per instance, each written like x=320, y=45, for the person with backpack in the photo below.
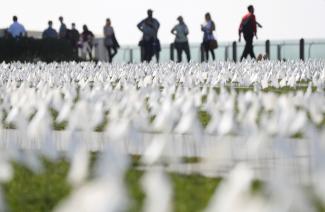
x=149, y=43
x=209, y=42
x=110, y=41
x=248, y=27
x=181, y=41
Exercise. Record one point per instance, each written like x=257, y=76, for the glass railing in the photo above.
x=278, y=50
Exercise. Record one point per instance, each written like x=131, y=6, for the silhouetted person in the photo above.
x=110, y=41
x=63, y=29
x=208, y=36
x=74, y=37
x=248, y=27
x=16, y=29
x=149, y=27
x=87, y=38
x=157, y=49
x=181, y=41
x=50, y=32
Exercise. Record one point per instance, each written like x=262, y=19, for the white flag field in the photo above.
x=241, y=123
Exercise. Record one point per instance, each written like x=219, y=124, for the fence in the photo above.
x=227, y=51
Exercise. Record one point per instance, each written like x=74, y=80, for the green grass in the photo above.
x=28, y=191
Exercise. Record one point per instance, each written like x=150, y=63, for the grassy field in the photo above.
x=42, y=192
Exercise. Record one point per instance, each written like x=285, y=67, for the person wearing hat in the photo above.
x=181, y=41
x=149, y=28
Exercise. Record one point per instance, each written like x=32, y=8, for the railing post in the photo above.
x=234, y=51
x=226, y=53
x=267, y=49
x=279, y=52
x=131, y=55
x=302, y=49
x=172, y=46
x=202, y=53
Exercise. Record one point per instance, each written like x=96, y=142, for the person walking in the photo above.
x=209, y=41
x=149, y=27
x=248, y=27
x=181, y=41
x=50, y=32
x=87, y=38
x=63, y=29
x=110, y=41
x=16, y=30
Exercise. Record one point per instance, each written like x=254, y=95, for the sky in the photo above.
x=281, y=19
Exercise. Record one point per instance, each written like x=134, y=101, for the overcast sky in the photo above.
x=282, y=19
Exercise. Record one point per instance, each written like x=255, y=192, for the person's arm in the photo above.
x=203, y=28
x=254, y=25
x=158, y=24
x=240, y=30
x=259, y=25
x=213, y=26
x=173, y=30
x=186, y=30
x=140, y=25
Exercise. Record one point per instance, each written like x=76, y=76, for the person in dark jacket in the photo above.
x=50, y=32
x=110, y=40
x=63, y=29
x=74, y=38
x=149, y=43
x=248, y=27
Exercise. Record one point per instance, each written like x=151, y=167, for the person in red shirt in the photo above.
x=248, y=27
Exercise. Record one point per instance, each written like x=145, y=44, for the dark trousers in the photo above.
x=110, y=53
x=147, y=50
x=180, y=47
x=207, y=49
x=248, y=47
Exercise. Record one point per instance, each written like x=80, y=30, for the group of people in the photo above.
x=149, y=43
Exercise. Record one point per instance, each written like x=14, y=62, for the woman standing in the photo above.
x=87, y=38
x=110, y=41
x=209, y=41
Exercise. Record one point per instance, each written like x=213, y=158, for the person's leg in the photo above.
x=246, y=50
x=213, y=55
x=150, y=52
x=251, y=48
x=157, y=54
x=146, y=51
x=90, y=52
x=206, y=50
x=179, y=53
x=109, y=52
x=114, y=51
x=187, y=51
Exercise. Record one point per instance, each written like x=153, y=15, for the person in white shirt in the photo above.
x=16, y=29
x=181, y=41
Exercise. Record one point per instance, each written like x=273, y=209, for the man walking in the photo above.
x=181, y=41
x=149, y=27
x=248, y=27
